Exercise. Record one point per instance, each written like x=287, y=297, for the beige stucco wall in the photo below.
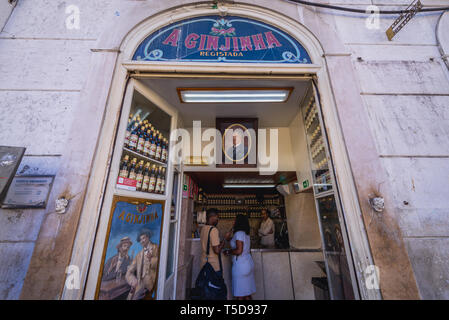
x=302, y=220
x=299, y=149
x=404, y=85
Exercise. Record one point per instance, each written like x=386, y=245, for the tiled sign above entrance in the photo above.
x=221, y=39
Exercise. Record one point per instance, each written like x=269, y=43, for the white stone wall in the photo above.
x=404, y=85
x=43, y=66
x=6, y=7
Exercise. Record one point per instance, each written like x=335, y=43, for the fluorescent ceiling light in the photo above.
x=226, y=95
x=249, y=185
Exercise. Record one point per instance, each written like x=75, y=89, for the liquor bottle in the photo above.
x=136, y=121
x=133, y=123
x=128, y=133
x=141, y=141
x=152, y=153
x=158, y=148
x=158, y=180
x=146, y=177
x=133, y=139
x=164, y=151
x=152, y=184
x=200, y=195
x=163, y=181
x=147, y=144
x=139, y=176
x=132, y=170
x=124, y=167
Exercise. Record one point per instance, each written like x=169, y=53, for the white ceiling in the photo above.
x=269, y=114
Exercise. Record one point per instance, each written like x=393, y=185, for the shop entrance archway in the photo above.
x=87, y=256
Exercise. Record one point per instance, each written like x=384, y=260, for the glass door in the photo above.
x=173, y=239
x=336, y=248
x=134, y=231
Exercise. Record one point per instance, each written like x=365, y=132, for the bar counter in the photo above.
x=279, y=273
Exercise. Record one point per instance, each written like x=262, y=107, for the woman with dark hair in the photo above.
x=243, y=283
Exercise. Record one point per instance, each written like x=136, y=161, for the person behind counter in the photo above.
x=243, y=282
x=266, y=231
x=215, y=246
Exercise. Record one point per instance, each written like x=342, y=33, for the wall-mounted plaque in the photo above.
x=10, y=158
x=130, y=264
x=28, y=192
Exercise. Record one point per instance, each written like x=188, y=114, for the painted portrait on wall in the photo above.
x=130, y=263
x=238, y=142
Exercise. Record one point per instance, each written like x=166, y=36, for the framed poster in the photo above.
x=130, y=262
x=238, y=142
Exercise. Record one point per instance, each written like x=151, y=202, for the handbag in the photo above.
x=209, y=284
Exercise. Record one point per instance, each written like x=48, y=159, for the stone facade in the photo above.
x=403, y=86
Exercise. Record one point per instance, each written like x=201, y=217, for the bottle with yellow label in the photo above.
x=139, y=176
x=124, y=167
x=146, y=177
x=158, y=154
x=164, y=150
x=134, y=137
x=158, y=180
x=128, y=132
x=147, y=144
x=132, y=170
x=163, y=181
x=141, y=140
x=152, y=153
x=152, y=184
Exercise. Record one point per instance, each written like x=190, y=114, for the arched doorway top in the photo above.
x=224, y=39
x=138, y=22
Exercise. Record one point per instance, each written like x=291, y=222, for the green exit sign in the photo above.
x=305, y=184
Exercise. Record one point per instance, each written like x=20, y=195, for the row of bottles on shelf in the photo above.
x=315, y=136
x=143, y=138
x=322, y=164
x=232, y=212
x=310, y=114
x=212, y=199
x=148, y=179
x=317, y=146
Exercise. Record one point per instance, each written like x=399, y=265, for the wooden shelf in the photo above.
x=324, y=193
x=144, y=157
x=139, y=194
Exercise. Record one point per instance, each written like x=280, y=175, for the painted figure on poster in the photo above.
x=115, y=270
x=141, y=274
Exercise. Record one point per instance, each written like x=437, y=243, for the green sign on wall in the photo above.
x=305, y=184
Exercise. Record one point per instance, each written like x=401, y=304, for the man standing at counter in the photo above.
x=215, y=245
x=266, y=231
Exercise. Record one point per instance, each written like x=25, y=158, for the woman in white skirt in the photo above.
x=243, y=283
